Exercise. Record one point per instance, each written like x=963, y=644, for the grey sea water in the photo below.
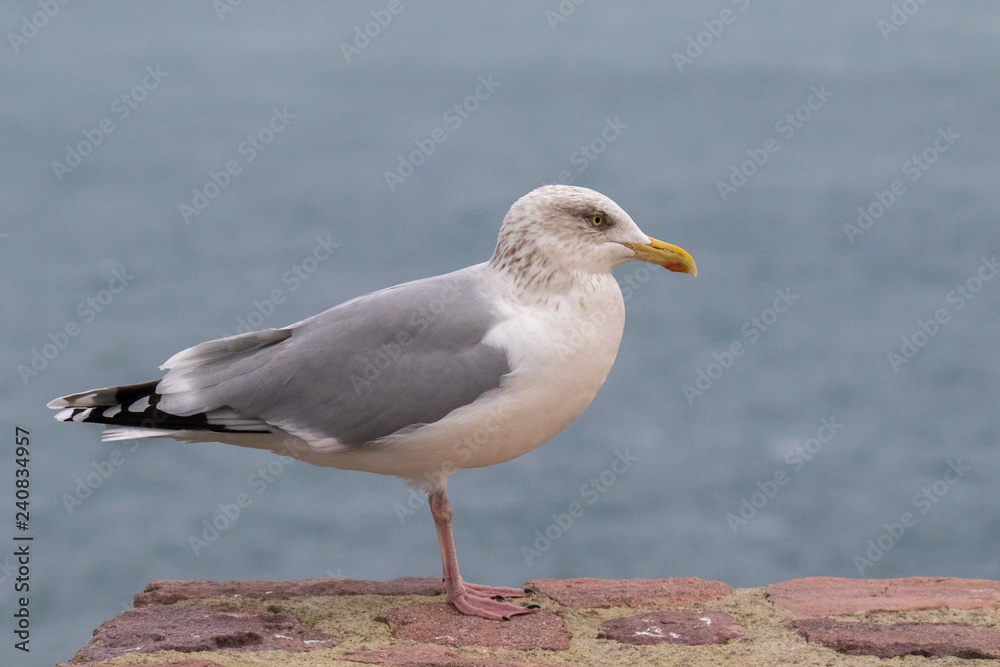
x=820, y=400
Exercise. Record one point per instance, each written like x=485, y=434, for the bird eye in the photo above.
x=597, y=220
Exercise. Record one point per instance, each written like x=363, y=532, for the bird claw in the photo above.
x=486, y=602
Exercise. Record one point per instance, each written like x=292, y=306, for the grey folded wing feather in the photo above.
x=365, y=369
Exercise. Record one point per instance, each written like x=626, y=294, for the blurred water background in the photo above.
x=800, y=442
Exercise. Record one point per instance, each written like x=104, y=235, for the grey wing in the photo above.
x=363, y=370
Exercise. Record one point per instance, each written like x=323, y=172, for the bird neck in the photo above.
x=529, y=271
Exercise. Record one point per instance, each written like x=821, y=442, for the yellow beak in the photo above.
x=668, y=256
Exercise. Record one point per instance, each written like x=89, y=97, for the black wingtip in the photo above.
x=136, y=405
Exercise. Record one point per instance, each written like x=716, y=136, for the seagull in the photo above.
x=463, y=370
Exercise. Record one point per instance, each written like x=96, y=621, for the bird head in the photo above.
x=565, y=229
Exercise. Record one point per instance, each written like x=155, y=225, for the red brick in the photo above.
x=441, y=623
x=827, y=596
x=189, y=629
x=169, y=592
x=931, y=640
x=590, y=593
x=672, y=627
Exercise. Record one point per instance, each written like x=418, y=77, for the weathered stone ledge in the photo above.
x=678, y=621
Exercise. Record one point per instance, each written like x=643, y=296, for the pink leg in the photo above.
x=469, y=599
